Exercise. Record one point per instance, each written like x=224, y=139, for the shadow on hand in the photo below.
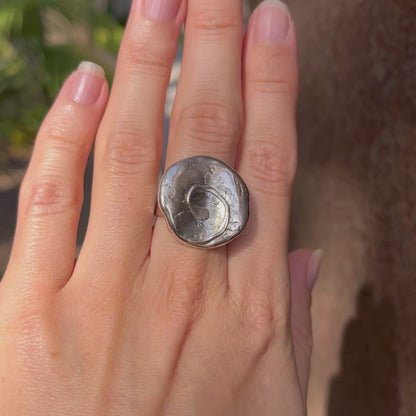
x=367, y=384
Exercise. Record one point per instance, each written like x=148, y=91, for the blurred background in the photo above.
x=41, y=42
x=355, y=194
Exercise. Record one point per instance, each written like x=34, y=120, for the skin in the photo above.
x=142, y=324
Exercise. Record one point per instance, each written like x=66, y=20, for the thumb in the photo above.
x=303, y=267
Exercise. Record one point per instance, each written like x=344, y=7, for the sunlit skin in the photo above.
x=142, y=324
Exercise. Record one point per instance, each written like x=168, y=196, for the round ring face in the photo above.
x=204, y=201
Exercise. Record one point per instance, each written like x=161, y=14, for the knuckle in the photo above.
x=60, y=141
x=183, y=292
x=26, y=323
x=145, y=56
x=259, y=320
x=271, y=166
x=271, y=73
x=64, y=133
x=272, y=85
x=50, y=194
x=208, y=124
x=263, y=312
x=215, y=23
x=263, y=323
x=128, y=149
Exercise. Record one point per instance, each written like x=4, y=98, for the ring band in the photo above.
x=204, y=201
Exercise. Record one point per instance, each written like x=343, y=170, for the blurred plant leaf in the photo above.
x=41, y=42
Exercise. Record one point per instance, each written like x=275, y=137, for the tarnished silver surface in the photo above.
x=204, y=201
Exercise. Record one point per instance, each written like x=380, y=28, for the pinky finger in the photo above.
x=52, y=191
x=304, y=268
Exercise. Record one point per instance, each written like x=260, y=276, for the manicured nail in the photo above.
x=272, y=22
x=88, y=83
x=162, y=9
x=313, y=268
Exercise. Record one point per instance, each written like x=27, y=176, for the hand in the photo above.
x=142, y=324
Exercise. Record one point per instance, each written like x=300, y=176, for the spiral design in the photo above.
x=204, y=201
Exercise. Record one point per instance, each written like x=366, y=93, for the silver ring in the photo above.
x=204, y=201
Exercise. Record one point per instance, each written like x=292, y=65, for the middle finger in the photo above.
x=129, y=142
x=207, y=116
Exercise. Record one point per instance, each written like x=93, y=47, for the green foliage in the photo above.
x=41, y=42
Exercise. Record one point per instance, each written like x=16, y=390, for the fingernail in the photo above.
x=88, y=82
x=162, y=9
x=271, y=22
x=313, y=268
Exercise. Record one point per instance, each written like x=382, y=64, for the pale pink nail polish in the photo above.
x=162, y=9
x=88, y=82
x=272, y=22
x=313, y=268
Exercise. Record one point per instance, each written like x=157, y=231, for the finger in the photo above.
x=267, y=152
x=128, y=147
x=304, y=268
x=207, y=114
x=52, y=190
